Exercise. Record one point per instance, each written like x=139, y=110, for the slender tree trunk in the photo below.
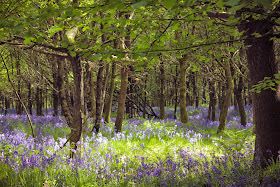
x=92, y=92
x=240, y=103
x=162, y=94
x=7, y=105
x=39, y=103
x=46, y=101
x=30, y=98
x=99, y=88
x=55, y=93
x=145, y=97
x=226, y=102
x=213, y=103
x=266, y=105
x=18, y=104
x=183, y=104
x=176, y=92
x=122, y=98
x=111, y=94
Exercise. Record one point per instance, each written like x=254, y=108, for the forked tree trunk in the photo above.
x=183, y=103
x=266, y=105
x=228, y=93
x=99, y=102
x=111, y=94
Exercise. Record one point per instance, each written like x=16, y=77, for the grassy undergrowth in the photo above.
x=148, y=152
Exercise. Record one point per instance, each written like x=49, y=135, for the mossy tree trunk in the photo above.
x=228, y=93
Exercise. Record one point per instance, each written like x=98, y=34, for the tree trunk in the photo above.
x=18, y=104
x=30, y=98
x=122, y=98
x=111, y=94
x=213, y=103
x=99, y=102
x=65, y=108
x=240, y=102
x=39, y=101
x=195, y=94
x=183, y=104
x=162, y=97
x=145, y=97
x=55, y=93
x=92, y=92
x=266, y=106
x=230, y=87
x=46, y=101
x=77, y=125
x=176, y=92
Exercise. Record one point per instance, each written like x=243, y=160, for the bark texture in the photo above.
x=183, y=103
x=266, y=106
x=122, y=98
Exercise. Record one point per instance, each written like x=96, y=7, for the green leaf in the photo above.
x=69, y=13
x=132, y=34
x=232, y=2
x=71, y=48
x=95, y=57
x=86, y=54
x=40, y=40
x=168, y=3
x=73, y=54
x=83, y=45
x=27, y=41
x=266, y=3
x=140, y=4
x=236, y=8
x=18, y=28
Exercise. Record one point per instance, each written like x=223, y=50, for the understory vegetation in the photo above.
x=148, y=152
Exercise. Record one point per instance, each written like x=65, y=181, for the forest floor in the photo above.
x=148, y=152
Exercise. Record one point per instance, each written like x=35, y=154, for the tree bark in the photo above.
x=162, y=94
x=55, y=93
x=77, y=125
x=230, y=87
x=176, y=92
x=111, y=94
x=39, y=101
x=240, y=102
x=122, y=98
x=266, y=105
x=99, y=88
x=30, y=98
x=92, y=92
x=183, y=104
